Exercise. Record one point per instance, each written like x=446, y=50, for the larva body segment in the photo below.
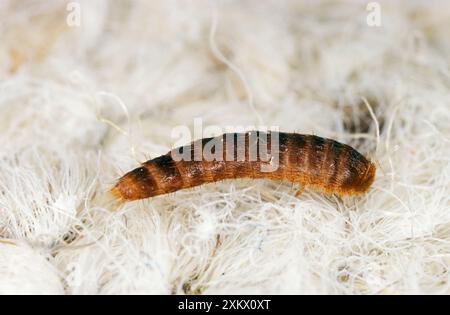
x=311, y=161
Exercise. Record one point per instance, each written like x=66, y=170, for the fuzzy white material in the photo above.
x=81, y=105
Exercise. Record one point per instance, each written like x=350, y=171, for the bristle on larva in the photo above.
x=311, y=161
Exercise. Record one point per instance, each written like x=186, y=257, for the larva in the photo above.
x=311, y=161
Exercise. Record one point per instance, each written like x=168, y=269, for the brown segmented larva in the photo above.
x=311, y=161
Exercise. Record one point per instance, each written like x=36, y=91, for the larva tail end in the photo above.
x=366, y=180
x=369, y=177
x=117, y=199
x=115, y=192
x=361, y=185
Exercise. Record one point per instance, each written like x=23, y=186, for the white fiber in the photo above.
x=23, y=270
x=82, y=105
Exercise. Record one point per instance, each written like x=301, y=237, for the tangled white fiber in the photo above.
x=80, y=104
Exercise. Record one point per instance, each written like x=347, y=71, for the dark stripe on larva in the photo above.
x=170, y=178
x=304, y=159
x=283, y=155
x=298, y=159
x=333, y=158
x=309, y=165
x=248, y=155
x=240, y=156
x=316, y=158
x=327, y=166
x=254, y=163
